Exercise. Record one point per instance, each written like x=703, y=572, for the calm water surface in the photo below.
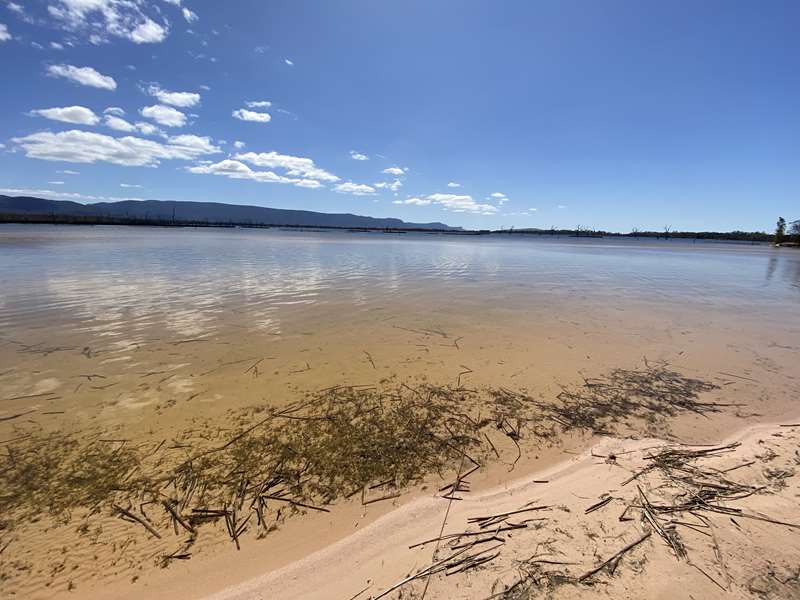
x=193, y=279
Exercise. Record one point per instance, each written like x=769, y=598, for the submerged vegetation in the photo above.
x=338, y=442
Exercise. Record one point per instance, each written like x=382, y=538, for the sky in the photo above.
x=609, y=115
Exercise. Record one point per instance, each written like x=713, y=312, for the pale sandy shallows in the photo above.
x=726, y=556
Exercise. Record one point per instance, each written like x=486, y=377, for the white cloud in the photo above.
x=88, y=147
x=358, y=155
x=414, y=201
x=79, y=115
x=258, y=104
x=562, y=206
x=119, y=124
x=129, y=185
x=295, y=166
x=356, y=189
x=83, y=76
x=180, y=99
x=114, y=110
x=148, y=32
x=190, y=16
x=4, y=35
x=453, y=184
x=390, y=185
x=55, y=182
x=98, y=19
x=239, y=145
x=56, y=46
x=397, y=171
x=288, y=62
x=14, y=7
x=164, y=115
x=68, y=172
x=500, y=197
x=452, y=202
x=148, y=129
x=248, y=115
x=526, y=212
x=235, y=169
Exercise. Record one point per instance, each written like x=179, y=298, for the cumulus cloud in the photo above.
x=129, y=185
x=235, y=169
x=56, y=182
x=356, y=189
x=164, y=115
x=453, y=184
x=295, y=166
x=180, y=99
x=358, y=155
x=78, y=115
x=526, y=212
x=288, y=62
x=453, y=203
x=390, y=185
x=88, y=147
x=68, y=172
x=500, y=197
x=119, y=124
x=4, y=35
x=258, y=104
x=248, y=115
x=97, y=20
x=414, y=201
x=56, y=46
x=16, y=8
x=190, y=16
x=114, y=110
x=83, y=76
x=397, y=171
x=239, y=144
x=148, y=129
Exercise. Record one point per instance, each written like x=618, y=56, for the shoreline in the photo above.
x=315, y=576
x=342, y=564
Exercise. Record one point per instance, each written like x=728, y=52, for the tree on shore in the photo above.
x=795, y=230
x=780, y=230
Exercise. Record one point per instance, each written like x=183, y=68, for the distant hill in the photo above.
x=39, y=209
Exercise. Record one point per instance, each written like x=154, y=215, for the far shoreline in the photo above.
x=736, y=237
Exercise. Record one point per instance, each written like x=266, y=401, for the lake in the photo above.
x=135, y=305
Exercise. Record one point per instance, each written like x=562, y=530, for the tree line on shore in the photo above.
x=787, y=233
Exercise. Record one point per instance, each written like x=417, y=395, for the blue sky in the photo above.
x=612, y=115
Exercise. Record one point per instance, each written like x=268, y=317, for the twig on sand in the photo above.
x=614, y=560
x=129, y=516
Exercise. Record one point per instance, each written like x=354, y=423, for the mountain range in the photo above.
x=162, y=211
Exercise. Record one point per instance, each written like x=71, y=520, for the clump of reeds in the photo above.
x=339, y=441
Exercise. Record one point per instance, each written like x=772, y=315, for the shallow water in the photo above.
x=120, y=280
x=100, y=322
